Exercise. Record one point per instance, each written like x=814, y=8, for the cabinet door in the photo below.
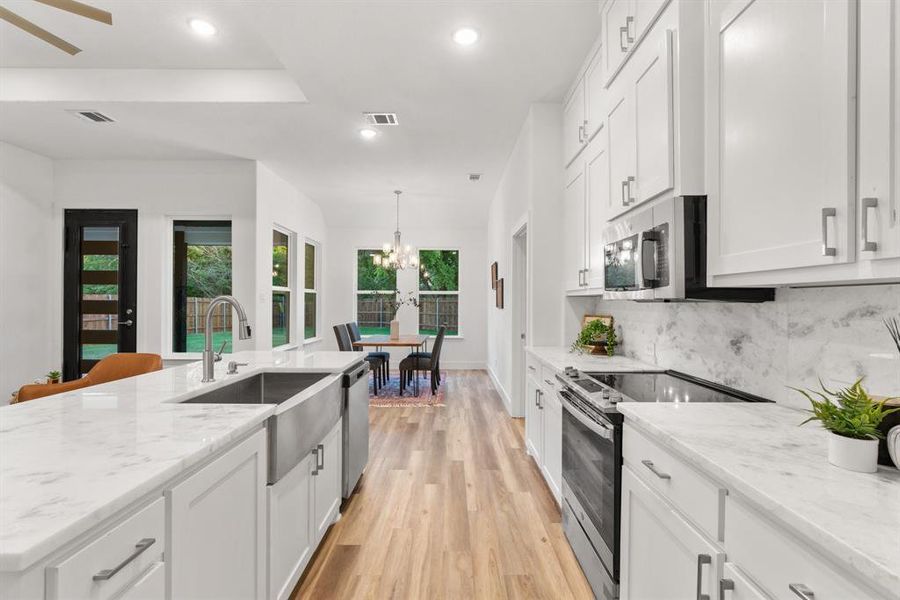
x=552, y=424
x=573, y=234
x=736, y=586
x=654, y=135
x=573, y=124
x=594, y=96
x=597, y=170
x=217, y=536
x=326, y=483
x=780, y=79
x=879, y=129
x=533, y=420
x=290, y=528
x=620, y=146
x=645, y=11
x=617, y=25
x=654, y=536
x=150, y=586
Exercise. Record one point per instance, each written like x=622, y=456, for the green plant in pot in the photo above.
x=53, y=376
x=852, y=417
x=593, y=334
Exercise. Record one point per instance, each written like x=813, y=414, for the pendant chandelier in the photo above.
x=395, y=255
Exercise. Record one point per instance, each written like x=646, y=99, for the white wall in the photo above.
x=531, y=189
x=466, y=352
x=160, y=190
x=29, y=346
x=279, y=203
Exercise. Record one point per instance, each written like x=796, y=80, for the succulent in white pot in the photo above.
x=852, y=418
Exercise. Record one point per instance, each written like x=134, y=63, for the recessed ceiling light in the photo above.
x=367, y=133
x=465, y=36
x=201, y=27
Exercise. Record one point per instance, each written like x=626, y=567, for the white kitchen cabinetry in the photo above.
x=574, y=122
x=534, y=424
x=326, y=482
x=734, y=585
x=879, y=130
x=543, y=424
x=291, y=529
x=217, y=527
x=574, y=256
x=662, y=555
x=585, y=210
x=780, y=184
x=624, y=24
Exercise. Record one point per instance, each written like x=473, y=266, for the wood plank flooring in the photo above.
x=450, y=506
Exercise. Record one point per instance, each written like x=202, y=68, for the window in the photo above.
x=310, y=290
x=201, y=270
x=438, y=291
x=281, y=288
x=375, y=289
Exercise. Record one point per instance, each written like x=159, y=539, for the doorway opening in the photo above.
x=519, y=321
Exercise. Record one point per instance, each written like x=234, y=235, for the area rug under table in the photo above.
x=389, y=394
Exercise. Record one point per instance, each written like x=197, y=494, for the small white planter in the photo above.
x=395, y=329
x=851, y=454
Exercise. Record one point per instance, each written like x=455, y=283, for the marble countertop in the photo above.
x=560, y=357
x=68, y=462
x=759, y=453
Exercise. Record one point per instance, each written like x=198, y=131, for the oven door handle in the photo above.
x=604, y=431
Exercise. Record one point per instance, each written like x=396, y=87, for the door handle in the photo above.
x=702, y=559
x=536, y=398
x=315, y=452
x=622, y=44
x=580, y=134
x=540, y=400
x=321, y=456
x=629, y=21
x=584, y=129
x=624, y=199
x=724, y=586
x=826, y=249
x=628, y=182
x=649, y=464
x=139, y=549
x=802, y=591
x=868, y=203
x=127, y=323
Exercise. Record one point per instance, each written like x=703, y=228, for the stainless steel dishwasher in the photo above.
x=355, y=425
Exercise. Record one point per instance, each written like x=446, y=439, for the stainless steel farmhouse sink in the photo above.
x=294, y=431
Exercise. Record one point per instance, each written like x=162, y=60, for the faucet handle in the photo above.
x=218, y=355
x=232, y=367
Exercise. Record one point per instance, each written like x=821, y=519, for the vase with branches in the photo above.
x=395, y=302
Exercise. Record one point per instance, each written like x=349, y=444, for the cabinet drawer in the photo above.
x=698, y=498
x=776, y=560
x=127, y=545
x=734, y=585
x=548, y=379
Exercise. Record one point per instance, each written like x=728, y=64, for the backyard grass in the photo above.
x=195, y=342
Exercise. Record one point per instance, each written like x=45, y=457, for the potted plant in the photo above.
x=852, y=418
x=395, y=302
x=53, y=376
x=596, y=334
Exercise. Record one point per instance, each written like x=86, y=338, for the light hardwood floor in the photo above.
x=450, y=506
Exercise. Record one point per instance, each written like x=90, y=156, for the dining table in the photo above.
x=404, y=341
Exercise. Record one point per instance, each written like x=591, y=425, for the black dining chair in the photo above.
x=355, y=336
x=376, y=365
x=424, y=361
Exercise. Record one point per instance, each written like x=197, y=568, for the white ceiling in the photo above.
x=460, y=109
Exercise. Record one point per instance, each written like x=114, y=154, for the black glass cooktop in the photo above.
x=670, y=387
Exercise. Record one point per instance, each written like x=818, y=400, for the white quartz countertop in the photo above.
x=759, y=453
x=559, y=358
x=68, y=462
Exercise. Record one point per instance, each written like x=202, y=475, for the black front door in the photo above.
x=100, y=287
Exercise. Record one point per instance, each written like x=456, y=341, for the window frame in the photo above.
x=457, y=293
x=290, y=289
x=168, y=312
x=317, y=282
x=355, y=275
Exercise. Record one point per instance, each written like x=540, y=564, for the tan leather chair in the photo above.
x=111, y=368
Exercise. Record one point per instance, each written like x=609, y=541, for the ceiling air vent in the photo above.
x=474, y=176
x=381, y=118
x=92, y=116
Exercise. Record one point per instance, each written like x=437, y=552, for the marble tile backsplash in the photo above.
x=834, y=333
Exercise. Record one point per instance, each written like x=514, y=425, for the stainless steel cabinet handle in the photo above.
x=548, y=382
x=624, y=199
x=802, y=591
x=321, y=457
x=536, y=392
x=139, y=549
x=580, y=134
x=531, y=368
x=702, y=559
x=622, y=43
x=868, y=203
x=629, y=21
x=826, y=249
x=127, y=323
x=628, y=182
x=315, y=452
x=724, y=586
x=541, y=400
x=584, y=129
x=649, y=464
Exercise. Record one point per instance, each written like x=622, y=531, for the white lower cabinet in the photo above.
x=217, y=527
x=291, y=531
x=543, y=426
x=662, y=556
x=734, y=585
x=326, y=483
x=534, y=423
x=150, y=586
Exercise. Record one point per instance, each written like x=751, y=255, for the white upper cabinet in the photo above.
x=594, y=95
x=621, y=149
x=624, y=24
x=596, y=208
x=574, y=228
x=654, y=143
x=574, y=124
x=879, y=130
x=780, y=126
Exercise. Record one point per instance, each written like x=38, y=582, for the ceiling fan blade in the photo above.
x=26, y=25
x=81, y=9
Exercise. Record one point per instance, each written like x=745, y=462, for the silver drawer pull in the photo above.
x=826, y=249
x=624, y=199
x=139, y=549
x=548, y=382
x=702, y=559
x=649, y=464
x=622, y=45
x=315, y=452
x=802, y=591
x=321, y=457
x=531, y=368
x=628, y=183
x=629, y=20
x=725, y=585
x=868, y=203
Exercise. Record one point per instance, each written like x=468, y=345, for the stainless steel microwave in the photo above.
x=659, y=253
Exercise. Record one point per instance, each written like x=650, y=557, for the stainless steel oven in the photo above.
x=591, y=486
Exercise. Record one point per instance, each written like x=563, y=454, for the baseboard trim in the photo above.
x=507, y=402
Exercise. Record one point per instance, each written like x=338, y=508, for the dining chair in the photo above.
x=376, y=365
x=424, y=361
x=355, y=336
x=110, y=368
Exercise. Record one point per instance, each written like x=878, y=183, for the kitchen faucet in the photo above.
x=209, y=356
